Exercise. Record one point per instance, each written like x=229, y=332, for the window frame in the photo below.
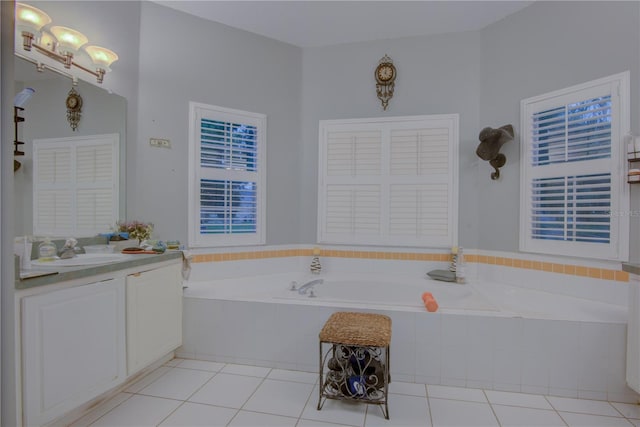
x=196, y=173
x=387, y=125
x=618, y=247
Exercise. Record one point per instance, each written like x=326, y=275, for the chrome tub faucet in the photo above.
x=302, y=290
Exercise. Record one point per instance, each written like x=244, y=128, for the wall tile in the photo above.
x=622, y=276
x=564, y=352
x=616, y=359
x=403, y=342
x=428, y=345
x=582, y=271
x=594, y=273
x=593, y=356
x=535, y=360
x=508, y=351
x=479, y=351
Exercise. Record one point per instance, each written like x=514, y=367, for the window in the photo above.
x=389, y=181
x=227, y=176
x=75, y=185
x=574, y=196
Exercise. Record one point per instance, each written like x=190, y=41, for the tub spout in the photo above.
x=302, y=290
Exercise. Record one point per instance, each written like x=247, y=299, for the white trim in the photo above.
x=195, y=240
x=618, y=249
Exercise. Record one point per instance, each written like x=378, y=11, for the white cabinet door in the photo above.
x=73, y=347
x=154, y=315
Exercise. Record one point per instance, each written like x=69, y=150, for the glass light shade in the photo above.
x=101, y=57
x=47, y=40
x=30, y=18
x=69, y=40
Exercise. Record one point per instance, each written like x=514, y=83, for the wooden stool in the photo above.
x=358, y=360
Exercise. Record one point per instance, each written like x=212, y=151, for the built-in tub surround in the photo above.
x=599, y=280
x=564, y=346
x=522, y=262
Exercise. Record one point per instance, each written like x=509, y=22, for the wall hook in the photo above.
x=491, y=140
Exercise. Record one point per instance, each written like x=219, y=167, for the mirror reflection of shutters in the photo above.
x=75, y=185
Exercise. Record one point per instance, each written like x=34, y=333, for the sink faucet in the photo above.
x=302, y=290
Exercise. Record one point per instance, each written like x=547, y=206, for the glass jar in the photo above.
x=47, y=250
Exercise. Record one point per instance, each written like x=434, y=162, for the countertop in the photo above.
x=70, y=273
x=631, y=268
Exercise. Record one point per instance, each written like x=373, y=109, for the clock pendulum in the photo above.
x=74, y=108
x=385, y=74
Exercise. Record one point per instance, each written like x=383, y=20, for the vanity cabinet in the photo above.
x=154, y=315
x=73, y=347
x=85, y=332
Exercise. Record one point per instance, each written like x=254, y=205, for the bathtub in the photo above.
x=484, y=334
x=403, y=293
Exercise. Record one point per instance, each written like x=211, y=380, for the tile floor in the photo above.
x=199, y=393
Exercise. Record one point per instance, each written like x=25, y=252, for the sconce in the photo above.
x=62, y=44
x=491, y=140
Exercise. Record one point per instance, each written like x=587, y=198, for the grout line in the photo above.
x=493, y=411
x=429, y=406
x=168, y=369
x=261, y=412
x=619, y=411
x=366, y=413
x=313, y=387
x=256, y=389
x=97, y=408
x=200, y=388
x=172, y=412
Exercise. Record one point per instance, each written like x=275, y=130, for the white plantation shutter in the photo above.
x=354, y=153
x=420, y=151
x=227, y=167
x=422, y=155
x=352, y=202
x=353, y=209
x=75, y=185
x=574, y=196
x=419, y=210
x=389, y=181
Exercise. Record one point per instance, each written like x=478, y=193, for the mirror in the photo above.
x=45, y=116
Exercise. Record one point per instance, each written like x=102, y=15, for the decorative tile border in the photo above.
x=570, y=269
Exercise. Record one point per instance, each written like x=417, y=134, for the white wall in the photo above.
x=184, y=58
x=436, y=75
x=544, y=47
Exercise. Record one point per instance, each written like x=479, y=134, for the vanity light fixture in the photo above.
x=62, y=44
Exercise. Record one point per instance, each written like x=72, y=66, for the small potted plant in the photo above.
x=136, y=229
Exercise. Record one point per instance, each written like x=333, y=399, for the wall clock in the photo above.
x=74, y=108
x=385, y=75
